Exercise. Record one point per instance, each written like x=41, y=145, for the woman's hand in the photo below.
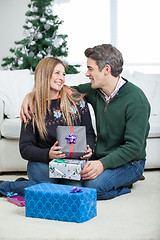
x=24, y=109
x=55, y=152
x=89, y=153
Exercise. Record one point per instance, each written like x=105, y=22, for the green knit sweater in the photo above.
x=122, y=125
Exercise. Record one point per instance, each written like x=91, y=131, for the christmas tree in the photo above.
x=42, y=39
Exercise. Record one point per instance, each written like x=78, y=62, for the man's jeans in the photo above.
x=37, y=173
x=109, y=184
x=112, y=182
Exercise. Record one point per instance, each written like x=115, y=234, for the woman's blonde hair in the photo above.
x=40, y=96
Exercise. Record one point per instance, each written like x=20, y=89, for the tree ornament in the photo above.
x=48, y=10
x=47, y=39
x=50, y=22
x=23, y=51
x=32, y=30
x=42, y=20
x=60, y=41
x=31, y=54
x=43, y=52
x=20, y=61
x=63, y=49
x=29, y=24
x=48, y=50
x=47, y=26
x=39, y=35
x=34, y=9
x=39, y=55
x=32, y=43
x=56, y=42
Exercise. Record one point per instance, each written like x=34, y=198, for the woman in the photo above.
x=53, y=104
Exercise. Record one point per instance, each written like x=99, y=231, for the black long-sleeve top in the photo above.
x=33, y=148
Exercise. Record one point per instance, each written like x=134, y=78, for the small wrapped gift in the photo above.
x=66, y=168
x=16, y=199
x=72, y=140
x=60, y=202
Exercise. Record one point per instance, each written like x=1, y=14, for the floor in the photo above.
x=134, y=216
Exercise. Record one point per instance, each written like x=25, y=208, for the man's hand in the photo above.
x=88, y=154
x=24, y=109
x=55, y=152
x=92, y=169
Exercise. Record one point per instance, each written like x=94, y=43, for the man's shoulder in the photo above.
x=131, y=88
x=135, y=93
x=83, y=88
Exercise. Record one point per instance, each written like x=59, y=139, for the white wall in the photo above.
x=12, y=19
x=86, y=22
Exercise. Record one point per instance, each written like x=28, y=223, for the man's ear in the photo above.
x=107, y=69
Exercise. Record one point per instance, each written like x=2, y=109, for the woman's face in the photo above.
x=57, y=78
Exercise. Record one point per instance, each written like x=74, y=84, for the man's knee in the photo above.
x=102, y=192
x=101, y=187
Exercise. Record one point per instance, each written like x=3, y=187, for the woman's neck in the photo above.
x=54, y=94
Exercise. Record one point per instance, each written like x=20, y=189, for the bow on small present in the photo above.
x=60, y=160
x=75, y=190
x=11, y=194
x=71, y=138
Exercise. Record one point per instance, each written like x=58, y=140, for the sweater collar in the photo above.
x=120, y=84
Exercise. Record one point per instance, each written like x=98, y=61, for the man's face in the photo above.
x=96, y=76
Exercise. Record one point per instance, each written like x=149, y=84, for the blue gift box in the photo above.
x=57, y=202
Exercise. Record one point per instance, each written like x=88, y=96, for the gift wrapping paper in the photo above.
x=17, y=200
x=66, y=168
x=60, y=202
x=72, y=140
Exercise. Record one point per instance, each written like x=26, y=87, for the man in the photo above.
x=122, y=120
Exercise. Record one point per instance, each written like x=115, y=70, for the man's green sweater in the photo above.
x=122, y=124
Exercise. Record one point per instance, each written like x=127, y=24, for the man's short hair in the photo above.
x=106, y=54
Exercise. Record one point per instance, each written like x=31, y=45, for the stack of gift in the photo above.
x=72, y=140
x=60, y=202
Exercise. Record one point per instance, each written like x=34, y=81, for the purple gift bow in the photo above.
x=71, y=138
x=75, y=190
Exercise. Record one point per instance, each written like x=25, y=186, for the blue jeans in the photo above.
x=37, y=173
x=112, y=182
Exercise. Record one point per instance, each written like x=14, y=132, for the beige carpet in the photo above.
x=135, y=216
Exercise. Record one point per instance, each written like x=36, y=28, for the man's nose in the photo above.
x=87, y=74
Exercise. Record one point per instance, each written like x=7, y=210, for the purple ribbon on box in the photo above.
x=75, y=190
x=71, y=138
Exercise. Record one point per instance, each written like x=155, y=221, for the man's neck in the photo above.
x=110, y=85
